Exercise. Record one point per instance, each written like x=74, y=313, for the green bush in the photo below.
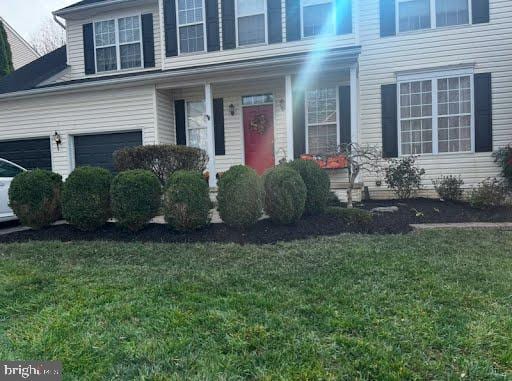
x=187, y=201
x=86, y=198
x=503, y=157
x=449, y=188
x=490, y=193
x=285, y=195
x=352, y=216
x=240, y=197
x=135, y=197
x=163, y=160
x=404, y=177
x=318, y=185
x=35, y=198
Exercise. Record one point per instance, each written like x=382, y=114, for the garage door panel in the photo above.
x=30, y=154
x=98, y=150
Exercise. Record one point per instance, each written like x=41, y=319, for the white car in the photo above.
x=8, y=171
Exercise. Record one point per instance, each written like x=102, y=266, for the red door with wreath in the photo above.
x=259, y=137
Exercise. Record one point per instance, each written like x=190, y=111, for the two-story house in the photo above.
x=22, y=52
x=256, y=81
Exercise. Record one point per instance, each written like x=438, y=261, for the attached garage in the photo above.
x=30, y=153
x=98, y=150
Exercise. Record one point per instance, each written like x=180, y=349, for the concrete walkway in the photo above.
x=465, y=226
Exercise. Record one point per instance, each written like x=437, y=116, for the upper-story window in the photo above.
x=118, y=44
x=318, y=17
x=191, y=26
x=426, y=14
x=251, y=22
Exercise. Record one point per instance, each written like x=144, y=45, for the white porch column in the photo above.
x=289, y=118
x=354, y=104
x=208, y=100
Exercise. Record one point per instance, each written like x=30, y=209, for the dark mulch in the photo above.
x=415, y=211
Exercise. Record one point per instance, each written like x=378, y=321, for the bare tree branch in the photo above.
x=48, y=37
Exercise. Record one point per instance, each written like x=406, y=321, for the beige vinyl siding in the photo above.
x=22, y=54
x=76, y=44
x=166, y=128
x=486, y=46
x=77, y=113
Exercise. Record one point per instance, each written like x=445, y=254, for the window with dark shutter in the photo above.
x=212, y=25
x=483, y=112
x=89, y=60
x=345, y=116
x=343, y=16
x=275, y=22
x=228, y=24
x=171, y=32
x=387, y=18
x=293, y=25
x=148, y=40
x=299, y=123
x=389, y=121
x=218, y=125
x=480, y=11
x=181, y=124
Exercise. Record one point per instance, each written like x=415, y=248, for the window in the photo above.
x=251, y=22
x=321, y=120
x=413, y=15
x=452, y=12
x=197, y=135
x=191, y=26
x=318, y=17
x=436, y=115
x=253, y=100
x=8, y=170
x=118, y=44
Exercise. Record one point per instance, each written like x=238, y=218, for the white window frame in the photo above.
x=265, y=14
x=118, y=44
x=190, y=24
x=434, y=76
x=433, y=17
x=338, y=137
x=332, y=2
x=187, y=129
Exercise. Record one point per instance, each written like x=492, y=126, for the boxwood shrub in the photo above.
x=285, y=195
x=35, y=198
x=317, y=183
x=86, y=198
x=240, y=197
x=135, y=197
x=187, y=201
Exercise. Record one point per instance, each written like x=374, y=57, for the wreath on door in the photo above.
x=259, y=124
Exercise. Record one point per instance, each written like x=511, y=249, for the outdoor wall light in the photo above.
x=232, y=109
x=57, y=139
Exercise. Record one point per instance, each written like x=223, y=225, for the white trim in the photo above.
x=289, y=118
x=354, y=105
x=435, y=72
x=265, y=15
x=208, y=97
x=178, y=26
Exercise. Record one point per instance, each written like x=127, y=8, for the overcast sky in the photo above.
x=27, y=15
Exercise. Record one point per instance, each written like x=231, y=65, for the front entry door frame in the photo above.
x=268, y=95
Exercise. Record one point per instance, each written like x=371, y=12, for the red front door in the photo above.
x=259, y=137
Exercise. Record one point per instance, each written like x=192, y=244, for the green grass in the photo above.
x=431, y=306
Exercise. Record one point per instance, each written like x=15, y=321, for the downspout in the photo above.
x=58, y=22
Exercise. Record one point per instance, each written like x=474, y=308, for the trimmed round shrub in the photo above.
x=86, y=198
x=318, y=185
x=240, y=197
x=187, y=201
x=285, y=195
x=135, y=197
x=35, y=198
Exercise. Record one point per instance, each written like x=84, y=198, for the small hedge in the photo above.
x=352, y=216
x=240, y=198
x=187, y=201
x=285, y=195
x=449, y=188
x=490, y=193
x=162, y=160
x=317, y=183
x=86, y=198
x=136, y=197
x=35, y=198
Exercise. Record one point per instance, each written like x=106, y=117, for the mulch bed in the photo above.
x=415, y=211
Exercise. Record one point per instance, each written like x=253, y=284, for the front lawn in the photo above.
x=432, y=306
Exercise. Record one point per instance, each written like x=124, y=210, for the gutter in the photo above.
x=58, y=22
x=66, y=11
x=174, y=73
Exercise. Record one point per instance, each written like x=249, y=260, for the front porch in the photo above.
x=263, y=117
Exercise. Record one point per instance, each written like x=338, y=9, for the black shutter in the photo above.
x=228, y=24
x=483, y=112
x=218, y=126
x=480, y=10
x=343, y=16
x=345, y=116
x=275, y=22
x=299, y=124
x=212, y=25
x=389, y=121
x=387, y=18
x=88, y=35
x=148, y=40
x=293, y=20
x=171, y=29
x=181, y=128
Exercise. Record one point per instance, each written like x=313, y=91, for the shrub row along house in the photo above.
x=258, y=81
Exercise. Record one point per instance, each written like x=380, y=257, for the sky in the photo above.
x=26, y=16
